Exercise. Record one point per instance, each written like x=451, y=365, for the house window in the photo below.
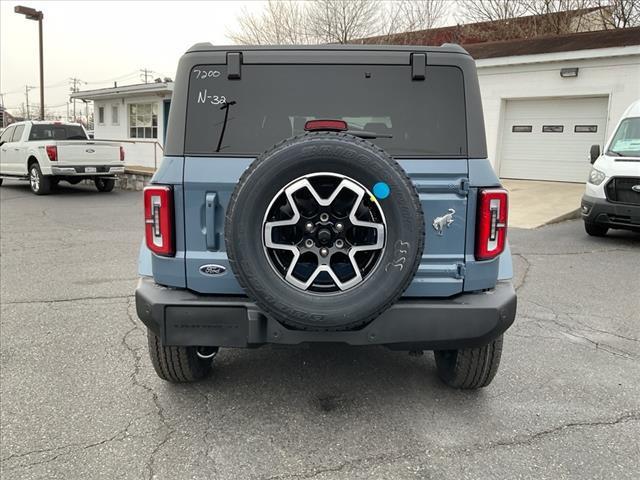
x=143, y=120
x=114, y=115
x=585, y=129
x=552, y=128
x=101, y=115
x=522, y=129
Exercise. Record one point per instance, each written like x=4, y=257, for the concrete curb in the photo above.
x=572, y=215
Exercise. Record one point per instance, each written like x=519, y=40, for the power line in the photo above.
x=145, y=74
x=65, y=82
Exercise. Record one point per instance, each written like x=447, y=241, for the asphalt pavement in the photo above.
x=80, y=400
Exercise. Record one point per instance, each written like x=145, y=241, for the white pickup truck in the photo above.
x=47, y=152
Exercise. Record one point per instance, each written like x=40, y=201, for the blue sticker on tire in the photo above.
x=381, y=190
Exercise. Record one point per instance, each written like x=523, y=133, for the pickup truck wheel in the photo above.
x=104, y=184
x=324, y=231
x=469, y=368
x=1, y=181
x=178, y=364
x=595, y=230
x=39, y=183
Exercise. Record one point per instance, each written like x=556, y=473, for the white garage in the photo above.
x=549, y=139
x=546, y=100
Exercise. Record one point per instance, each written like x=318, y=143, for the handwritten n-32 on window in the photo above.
x=206, y=73
x=204, y=97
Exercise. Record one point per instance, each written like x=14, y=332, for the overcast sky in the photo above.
x=102, y=41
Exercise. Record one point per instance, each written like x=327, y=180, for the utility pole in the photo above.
x=26, y=94
x=74, y=82
x=145, y=74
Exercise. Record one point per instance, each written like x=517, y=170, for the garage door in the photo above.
x=549, y=139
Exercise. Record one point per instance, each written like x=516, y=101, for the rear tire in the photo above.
x=177, y=364
x=1, y=181
x=39, y=183
x=469, y=368
x=595, y=230
x=104, y=184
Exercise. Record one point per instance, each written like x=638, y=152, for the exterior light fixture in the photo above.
x=568, y=72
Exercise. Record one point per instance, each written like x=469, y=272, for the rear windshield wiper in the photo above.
x=224, y=107
x=364, y=134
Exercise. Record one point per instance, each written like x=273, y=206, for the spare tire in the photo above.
x=324, y=231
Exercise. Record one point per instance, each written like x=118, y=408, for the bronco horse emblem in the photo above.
x=440, y=223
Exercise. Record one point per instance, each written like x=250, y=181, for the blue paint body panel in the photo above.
x=203, y=187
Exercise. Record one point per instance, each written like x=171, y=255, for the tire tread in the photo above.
x=473, y=367
x=176, y=364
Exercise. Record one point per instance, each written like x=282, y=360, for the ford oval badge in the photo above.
x=212, y=270
x=90, y=150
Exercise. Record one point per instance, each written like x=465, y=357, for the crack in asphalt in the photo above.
x=527, y=265
x=65, y=300
x=520, y=440
x=150, y=463
x=71, y=448
x=571, y=331
x=207, y=423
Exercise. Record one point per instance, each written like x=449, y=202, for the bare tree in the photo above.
x=529, y=18
x=619, y=13
x=561, y=16
x=281, y=22
x=341, y=21
x=413, y=15
x=336, y=21
x=500, y=12
x=474, y=11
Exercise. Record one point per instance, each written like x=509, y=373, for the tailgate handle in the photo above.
x=211, y=201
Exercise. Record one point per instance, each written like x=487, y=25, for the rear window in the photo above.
x=57, y=132
x=273, y=102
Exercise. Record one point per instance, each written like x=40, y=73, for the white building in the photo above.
x=135, y=115
x=547, y=100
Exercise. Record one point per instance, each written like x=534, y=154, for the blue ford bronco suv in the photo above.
x=326, y=194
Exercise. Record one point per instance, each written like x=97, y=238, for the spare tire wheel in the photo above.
x=324, y=231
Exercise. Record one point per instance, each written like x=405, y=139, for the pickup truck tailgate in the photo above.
x=74, y=152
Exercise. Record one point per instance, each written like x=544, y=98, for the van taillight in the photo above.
x=121, y=153
x=52, y=152
x=158, y=219
x=491, y=226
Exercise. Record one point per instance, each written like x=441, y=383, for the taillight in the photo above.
x=52, y=152
x=121, y=153
x=491, y=226
x=158, y=219
x=332, y=125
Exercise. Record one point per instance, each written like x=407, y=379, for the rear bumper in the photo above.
x=183, y=318
x=81, y=170
x=613, y=215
